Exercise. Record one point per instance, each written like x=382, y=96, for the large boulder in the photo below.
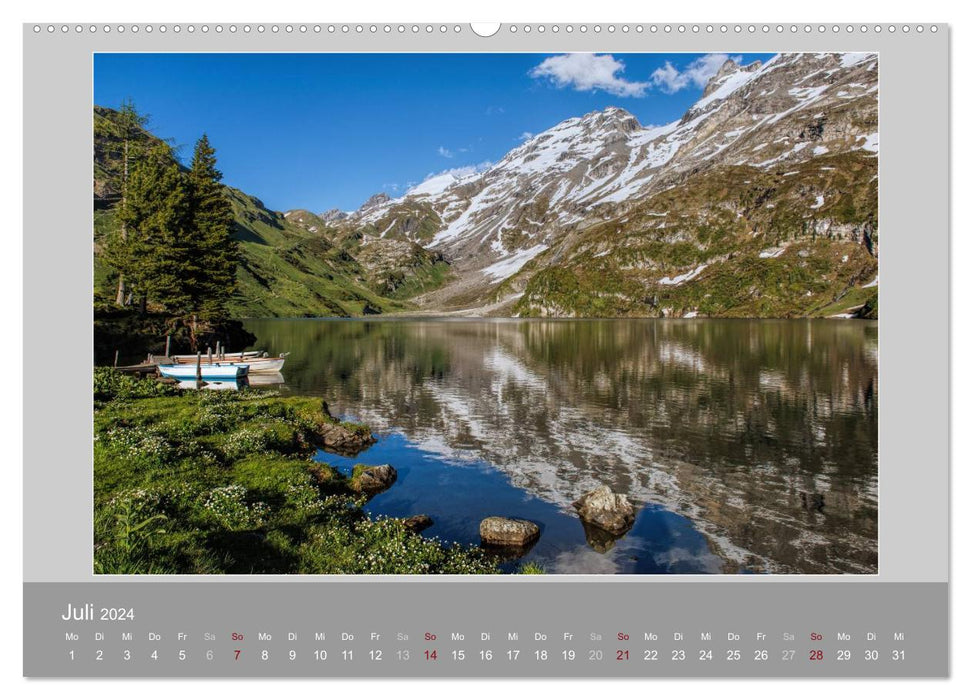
x=372, y=480
x=508, y=532
x=607, y=510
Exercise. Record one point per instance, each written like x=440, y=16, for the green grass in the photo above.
x=223, y=482
x=422, y=279
x=852, y=299
x=531, y=569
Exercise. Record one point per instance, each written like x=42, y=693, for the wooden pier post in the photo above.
x=116, y=358
x=168, y=344
x=199, y=369
x=209, y=354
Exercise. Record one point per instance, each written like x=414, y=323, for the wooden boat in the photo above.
x=266, y=365
x=214, y=371
x=228, y=356
x=257, y=365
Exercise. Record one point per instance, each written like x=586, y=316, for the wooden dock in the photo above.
x=149, y=366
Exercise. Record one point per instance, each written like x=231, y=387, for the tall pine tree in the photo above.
x=215, y=248
x=124, y=131
x=157, y=252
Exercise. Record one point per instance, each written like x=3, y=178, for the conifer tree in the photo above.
x=124, y=130
x=156, y=254
x=216, y=250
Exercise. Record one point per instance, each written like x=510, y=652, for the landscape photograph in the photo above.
x=518, y=314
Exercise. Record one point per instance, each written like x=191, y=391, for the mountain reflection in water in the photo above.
x=745, y=445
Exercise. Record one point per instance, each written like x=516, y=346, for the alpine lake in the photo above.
x=746, y=446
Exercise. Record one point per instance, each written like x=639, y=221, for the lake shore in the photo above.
x=204, y=482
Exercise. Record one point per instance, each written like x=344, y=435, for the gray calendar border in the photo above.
x=914, y=168
x=917, y=612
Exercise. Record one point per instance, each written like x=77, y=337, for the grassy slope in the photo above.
x=289, y=271
x=223, y=482
x=725, y=219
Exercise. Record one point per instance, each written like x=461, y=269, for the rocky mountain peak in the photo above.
x=333, y=215
x=375, y=200
x=611, y=118
x=727, y=68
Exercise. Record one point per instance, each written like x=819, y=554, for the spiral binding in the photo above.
x=521, y=29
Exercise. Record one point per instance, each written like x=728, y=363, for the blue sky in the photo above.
x=317, y=131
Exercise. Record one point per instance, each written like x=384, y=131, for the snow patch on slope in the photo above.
x=514, y=263
x=687, y=276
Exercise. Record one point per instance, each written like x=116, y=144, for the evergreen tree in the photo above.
x=124, y=130
x=156, y=251
x=216, y=250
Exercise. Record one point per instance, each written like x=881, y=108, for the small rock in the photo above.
x=508, y=531
x=340, y=438
x=607, y=510
x=417, y=523
x=371, y=480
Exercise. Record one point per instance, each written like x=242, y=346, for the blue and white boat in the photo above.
x=210, y=372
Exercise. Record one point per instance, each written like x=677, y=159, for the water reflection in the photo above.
x=761, y=436
x=269, y=379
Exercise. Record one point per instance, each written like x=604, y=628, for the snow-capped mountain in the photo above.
x=544, y=200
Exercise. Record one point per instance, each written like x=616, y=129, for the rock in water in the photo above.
x=417, y=523
x=508, y=532
x=342, y=438
x=371, y=480
x=607, y=510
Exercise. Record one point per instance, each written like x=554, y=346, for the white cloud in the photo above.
x=696, y=74
x=444, y=152
x=525, y=136
x=586, y=72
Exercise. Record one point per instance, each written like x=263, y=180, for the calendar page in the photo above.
x=446, y=350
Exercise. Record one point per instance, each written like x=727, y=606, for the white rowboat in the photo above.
x=268, y=365
x=214, y=371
